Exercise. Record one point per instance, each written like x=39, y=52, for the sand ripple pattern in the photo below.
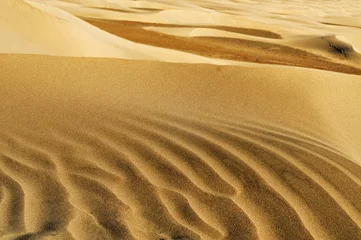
x=162, y=176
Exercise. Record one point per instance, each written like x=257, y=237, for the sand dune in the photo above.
x=38, y=28
x=158, y=31
x=267, y=155
x=42, y=29
x=238, y=49
x=175, y=120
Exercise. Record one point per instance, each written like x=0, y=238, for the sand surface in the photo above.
x=180, y=120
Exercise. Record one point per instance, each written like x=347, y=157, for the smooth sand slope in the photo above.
x=36, y=27
x=103, y=136
x=116, y=149
x=223, y=33
x=313, y=34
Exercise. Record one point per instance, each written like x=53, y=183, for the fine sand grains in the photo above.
x=116, y=149
x=179, y=120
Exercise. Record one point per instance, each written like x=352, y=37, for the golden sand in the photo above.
x=178, y=120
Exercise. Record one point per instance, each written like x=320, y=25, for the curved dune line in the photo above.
x=26, y=154
x=320, y=205
x=143, y=141
x=65, y=155
x=330, y=160
x=325, y=174
x=339, y=159
x=11, y=205
x=252, y=125
x=198, y=170
x=328, y=154
x=86, y=199
x=293, y=151
x=249, y=187
x=282, y=132
x=75, y=158
x=222, y=47
x=229, y=166
x=163, y=219
x=180, y=208
x=150, y=140
x=184, y=155
x=176, y=228
x=46, y=207
x=158, y=170
x=343, y=163
x=307, y=144
x=85, y=226
x=349, y=208
x=98, y=200
x=227, y=121
x=153, y=170
x=132, y=177
x=150, y=145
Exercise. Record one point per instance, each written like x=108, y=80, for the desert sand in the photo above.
x=180, y=119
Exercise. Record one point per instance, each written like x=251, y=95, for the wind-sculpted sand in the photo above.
x=237, y=49
x=133, y=157
x=179, y=120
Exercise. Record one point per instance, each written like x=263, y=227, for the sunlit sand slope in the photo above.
x=117, y=149
x=311, y=34
x=36, y=27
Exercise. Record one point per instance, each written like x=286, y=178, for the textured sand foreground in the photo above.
x=119, y=149
x=170, y=120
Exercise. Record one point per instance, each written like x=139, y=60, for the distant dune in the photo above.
x=178, y=120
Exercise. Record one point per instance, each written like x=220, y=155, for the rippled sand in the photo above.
x=163, y=123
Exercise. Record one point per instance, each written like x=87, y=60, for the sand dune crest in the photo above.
x=110, y=167
x=180, y=120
